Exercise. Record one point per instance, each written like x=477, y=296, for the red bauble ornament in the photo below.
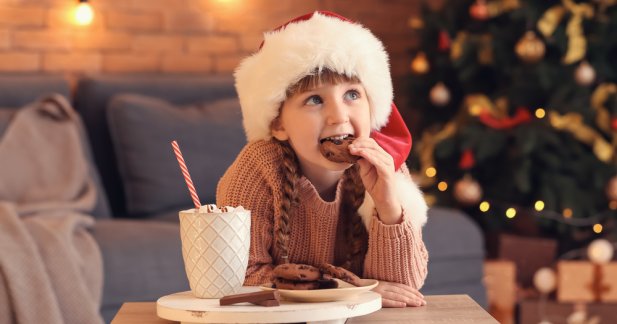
x=479, y=10
x=444, y=41
x=467, y=160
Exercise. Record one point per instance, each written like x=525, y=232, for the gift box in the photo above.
x=500, y=281
x=528, y=254
x=584, y=281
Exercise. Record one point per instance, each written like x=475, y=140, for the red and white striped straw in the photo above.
x=185, y=173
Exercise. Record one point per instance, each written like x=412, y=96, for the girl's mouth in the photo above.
x=335, y=139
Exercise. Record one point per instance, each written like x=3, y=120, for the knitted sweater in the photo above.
x=396, y=253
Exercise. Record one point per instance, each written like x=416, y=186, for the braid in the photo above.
x=356, y=233
x=290, y=197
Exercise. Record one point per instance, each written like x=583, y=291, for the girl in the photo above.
x=321, y=77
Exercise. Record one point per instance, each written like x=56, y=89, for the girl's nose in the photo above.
x=336, y=113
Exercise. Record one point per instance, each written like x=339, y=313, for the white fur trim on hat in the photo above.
x=296, y=50
x=411, y=199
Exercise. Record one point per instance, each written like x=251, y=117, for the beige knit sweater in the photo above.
x=396, y=253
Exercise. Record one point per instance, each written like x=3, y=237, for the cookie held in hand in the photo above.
x=337, y=149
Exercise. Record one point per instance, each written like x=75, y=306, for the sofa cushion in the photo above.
x=210, y=135
x=142, y=262
x=92, y=98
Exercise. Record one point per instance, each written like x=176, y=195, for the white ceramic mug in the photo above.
x=215, y=249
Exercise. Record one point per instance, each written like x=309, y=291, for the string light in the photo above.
x=597, y=228
x=442, y=186
x=588, y=222
x=430, y=172
x=510, y=212
x=83, y=13
x=485, y=206
x=540, y=113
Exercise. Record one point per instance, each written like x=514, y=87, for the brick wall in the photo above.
x=172, y=36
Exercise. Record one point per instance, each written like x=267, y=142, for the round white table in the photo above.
x=187, y=309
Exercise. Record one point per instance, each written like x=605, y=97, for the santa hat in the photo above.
x=317, y=41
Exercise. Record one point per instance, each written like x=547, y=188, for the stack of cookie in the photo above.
x=296, y=276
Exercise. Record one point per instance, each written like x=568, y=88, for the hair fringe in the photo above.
x=317, y=78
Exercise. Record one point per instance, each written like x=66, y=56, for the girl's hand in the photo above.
x=398, y=295
x=377, y=173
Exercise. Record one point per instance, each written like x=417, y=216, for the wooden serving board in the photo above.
x=187, y=309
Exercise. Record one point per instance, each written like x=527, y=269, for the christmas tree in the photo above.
x=514, y=107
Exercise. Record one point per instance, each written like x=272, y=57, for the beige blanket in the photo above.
x=50, y=266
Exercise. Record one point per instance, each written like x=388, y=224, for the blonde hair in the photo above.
x=352, y=195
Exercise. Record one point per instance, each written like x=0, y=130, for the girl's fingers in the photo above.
x=397, y=295
x=412, y=298
x=402, y=299
x=377, y=157
x=392, y=303
x=404, y=289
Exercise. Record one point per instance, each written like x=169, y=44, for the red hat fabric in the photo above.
x=394, y=138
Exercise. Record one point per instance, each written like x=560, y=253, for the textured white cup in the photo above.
x=215, y=248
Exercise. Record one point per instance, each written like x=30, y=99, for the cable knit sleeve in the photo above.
x=245, y=184
x=396, y=253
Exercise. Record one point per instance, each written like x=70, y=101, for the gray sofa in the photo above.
x=129, y=121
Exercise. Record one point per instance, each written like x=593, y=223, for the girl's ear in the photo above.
x=278, y=131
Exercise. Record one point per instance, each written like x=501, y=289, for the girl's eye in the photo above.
x=352, y=95
x=314, y=100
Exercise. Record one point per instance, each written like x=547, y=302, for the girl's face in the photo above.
x=322, y=111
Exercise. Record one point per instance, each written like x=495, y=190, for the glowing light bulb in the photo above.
x=567, y=213
x=485, y=206
x=597, y=228
x=510, y=212
x=83, y=13
x=431, y=172
x=540, y=113
x=539, y=205
x=442, y=186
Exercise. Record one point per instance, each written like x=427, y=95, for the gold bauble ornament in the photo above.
x=440, y=95
x=585, y=74
x=611, y=189
x=419, y=64
x=415, y=23
x=467, y=191
x=530, y=48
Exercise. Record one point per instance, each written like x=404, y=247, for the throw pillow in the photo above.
x=210, y=136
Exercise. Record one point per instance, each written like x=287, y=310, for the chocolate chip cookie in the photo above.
x=337, y=149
